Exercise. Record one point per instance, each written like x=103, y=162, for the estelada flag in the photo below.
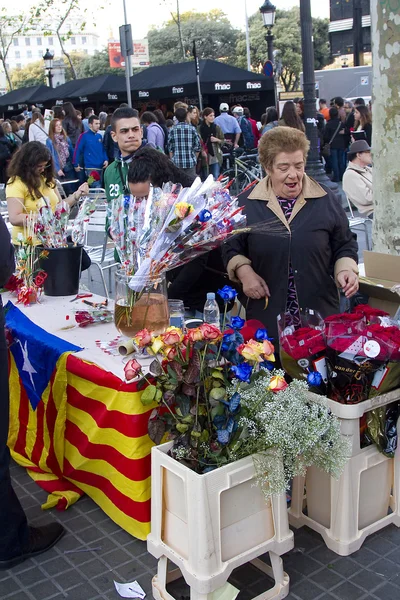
x=35, y=352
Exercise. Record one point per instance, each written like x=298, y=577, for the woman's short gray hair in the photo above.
x=281, y=139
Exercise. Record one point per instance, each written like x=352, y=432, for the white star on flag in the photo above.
x=27, y=366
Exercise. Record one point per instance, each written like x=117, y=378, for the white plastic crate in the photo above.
x=366, y=496
x=208, y=525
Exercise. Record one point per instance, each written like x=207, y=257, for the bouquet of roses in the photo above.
x=172, y=227
x=353, y=357
x=303, y=347
x=217, y=411
x=81, y=221
x=387, y=337
x=51, y=228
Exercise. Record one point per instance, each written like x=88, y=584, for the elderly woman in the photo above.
x=302, y=249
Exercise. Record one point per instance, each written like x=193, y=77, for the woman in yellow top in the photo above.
x=31, y=184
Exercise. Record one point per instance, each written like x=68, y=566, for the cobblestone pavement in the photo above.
x=110, y=554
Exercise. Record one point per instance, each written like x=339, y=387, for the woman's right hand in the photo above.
x=253, y=285
x=61, y=173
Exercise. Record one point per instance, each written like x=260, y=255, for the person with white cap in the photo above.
x=245, y=127
x=229, y=125
x=357, y=179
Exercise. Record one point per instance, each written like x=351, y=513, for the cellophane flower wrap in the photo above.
x=387, y=334
x=27, y=281
x=354, y=355
x=81, y=221
x=51, y=227
x=173, y=226
x=218, y=400
x=302, y=345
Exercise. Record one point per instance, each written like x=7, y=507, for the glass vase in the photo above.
x=136, y=310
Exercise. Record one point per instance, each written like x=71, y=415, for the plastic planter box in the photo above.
x=208, y=525
x=366, y=496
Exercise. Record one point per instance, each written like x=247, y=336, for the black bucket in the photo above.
x=63, y=268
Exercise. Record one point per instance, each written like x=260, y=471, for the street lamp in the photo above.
x=314, y=166
x=48, y=64
x=268, y=14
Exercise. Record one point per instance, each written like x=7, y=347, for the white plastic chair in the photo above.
x=101, y=255
x=357, y=222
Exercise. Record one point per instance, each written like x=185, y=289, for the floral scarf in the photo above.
x=61, y=146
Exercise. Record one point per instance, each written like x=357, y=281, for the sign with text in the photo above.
x=289, y=95
x=140, y=57
x=115, y=57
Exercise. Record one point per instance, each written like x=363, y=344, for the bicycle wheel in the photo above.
x=239, y=181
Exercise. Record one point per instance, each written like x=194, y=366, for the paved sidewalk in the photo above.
x=315, y=572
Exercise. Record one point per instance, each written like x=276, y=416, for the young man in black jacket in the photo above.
x=18, y=541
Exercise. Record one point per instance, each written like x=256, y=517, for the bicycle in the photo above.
x=245, y=170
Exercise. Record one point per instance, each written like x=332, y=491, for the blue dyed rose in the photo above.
x=267, y=364
x=261, y=335
x=242, y=372
x=237, y=323
x=227, y=293
x=204, y=215
x=314, y=378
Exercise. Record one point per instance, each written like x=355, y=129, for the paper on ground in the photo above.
x=226, y=592
x=131, y=590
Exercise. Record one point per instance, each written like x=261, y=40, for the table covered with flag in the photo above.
x=74, y=424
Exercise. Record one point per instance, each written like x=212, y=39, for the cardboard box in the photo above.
x=381, y=273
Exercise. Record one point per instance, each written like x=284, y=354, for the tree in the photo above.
x=287, y=42
x=214, y=35
x=10, y=27
x=98, y=64
x=32, y=74
x=176, y=17
x=385, y=32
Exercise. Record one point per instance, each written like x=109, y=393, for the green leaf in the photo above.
x=217, y=393
x=218, y=410
x=182, y=428
x=217, y=374
x=184, y=404
x=150, y=394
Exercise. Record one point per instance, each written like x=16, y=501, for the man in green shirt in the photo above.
x=127, y=133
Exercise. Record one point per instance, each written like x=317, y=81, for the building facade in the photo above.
x=341, y=26
x=31, y=45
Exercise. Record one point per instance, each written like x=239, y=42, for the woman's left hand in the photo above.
x=83, y=189
x=214, y=139
x=348, y=281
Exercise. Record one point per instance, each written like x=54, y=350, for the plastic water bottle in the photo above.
x=211, y=310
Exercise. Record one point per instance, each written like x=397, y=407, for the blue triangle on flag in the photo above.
x=35, y=352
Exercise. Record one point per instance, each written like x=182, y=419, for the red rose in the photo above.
x=83, y=318
x=370, y=313
x=94, y=175
x=13, y=284
x=132, y=369
x=210, y=332
x=170, y=352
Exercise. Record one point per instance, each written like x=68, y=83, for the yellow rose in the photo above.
x=277, y=384
x=251, y=351
x=157, y=345
x=183, y=209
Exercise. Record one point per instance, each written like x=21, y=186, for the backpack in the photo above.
x=247, y=132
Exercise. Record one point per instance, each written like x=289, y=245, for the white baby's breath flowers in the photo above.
x=286, y=432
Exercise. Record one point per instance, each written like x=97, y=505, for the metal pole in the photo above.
x=199, y=93
x=314, y=166
x=270, y=45
x=247, y=37
x=128, y=67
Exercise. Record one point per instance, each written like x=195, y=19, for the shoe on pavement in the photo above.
x=41, y=539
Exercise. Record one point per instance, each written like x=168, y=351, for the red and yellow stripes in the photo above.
x=88, y=435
